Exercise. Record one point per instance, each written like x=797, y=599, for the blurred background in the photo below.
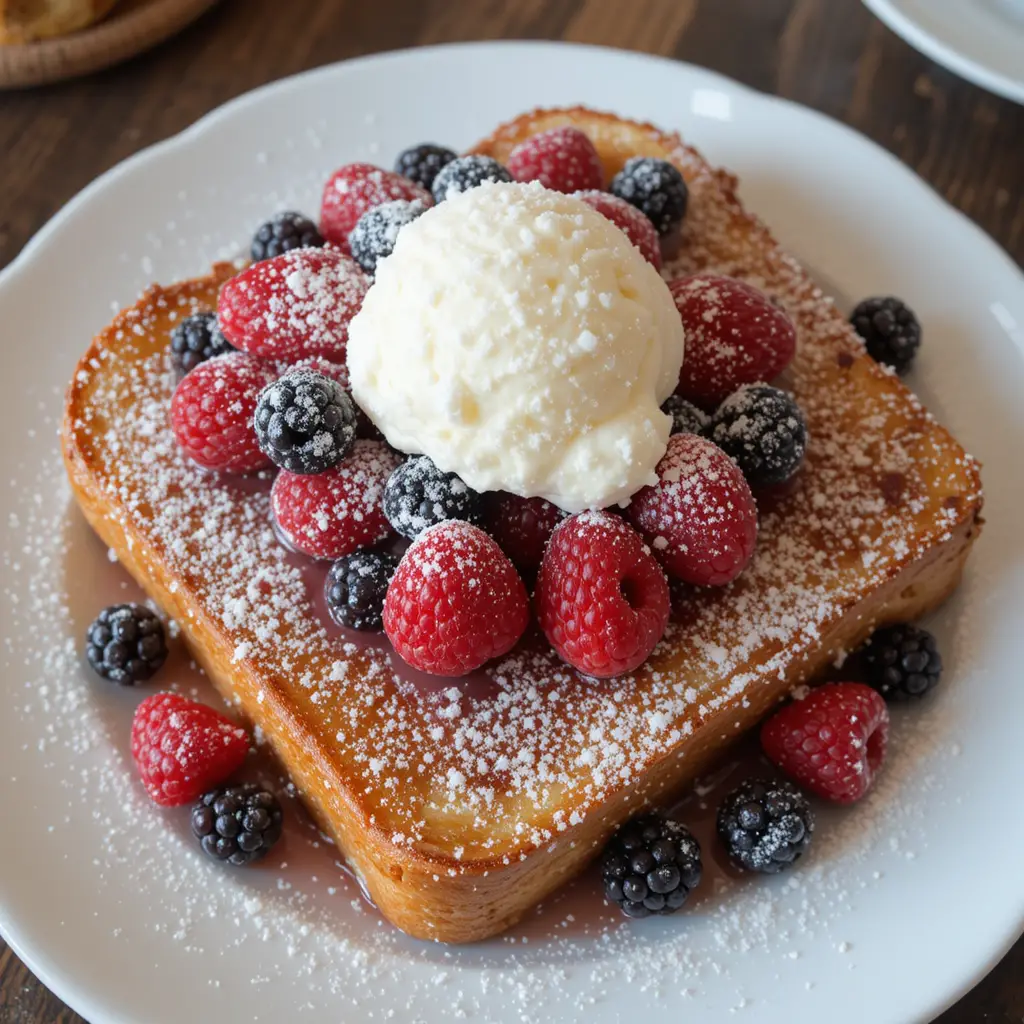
x=171, y=61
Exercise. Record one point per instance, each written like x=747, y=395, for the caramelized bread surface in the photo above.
x=463, y=803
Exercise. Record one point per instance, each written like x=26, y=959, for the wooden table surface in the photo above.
x=828, y=54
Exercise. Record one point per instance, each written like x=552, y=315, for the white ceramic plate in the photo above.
x=982, y=40
x=908, y=899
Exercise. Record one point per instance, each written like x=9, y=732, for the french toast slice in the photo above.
x=463, y=803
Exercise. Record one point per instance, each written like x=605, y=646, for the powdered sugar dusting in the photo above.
x=516, y=748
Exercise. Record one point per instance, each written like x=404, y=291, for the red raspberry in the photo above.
x=602, y=600
x=832, y=742
x=331, y=514
x=634, y=223
x=182, y=748
x=212, y=411
x=355, y=188
x=700, y=518
x=522, y=527
x=563, y=159
x=734, y=336
x=295, y=305
x=455, y=601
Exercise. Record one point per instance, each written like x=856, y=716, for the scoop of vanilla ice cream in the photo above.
x=517, y=337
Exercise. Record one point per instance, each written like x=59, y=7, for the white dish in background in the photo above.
x=981, y=40
x=908, y=898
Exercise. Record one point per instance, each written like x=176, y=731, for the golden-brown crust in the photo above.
x=432, y=867
x=25, y=21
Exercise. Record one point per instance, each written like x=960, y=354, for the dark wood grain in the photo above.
x=828, y=54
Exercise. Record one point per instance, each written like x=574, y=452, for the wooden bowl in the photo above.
x=133, y=26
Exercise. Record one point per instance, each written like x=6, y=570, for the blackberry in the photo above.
x=237, y=823
x=282, y=233
x=376, y=232
x=763, y=430
x=421, y=163
x=464, y=173
x=419, y=495
x=356, y=586
x=891, y=332
x=126, y=644
x=305, y=422
x=902, y=662
x=686, y=417
x=765, y=826
x=196, y=339
x=656, y=188
x=650, y=866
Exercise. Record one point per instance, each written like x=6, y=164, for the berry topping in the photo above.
x=891, y=332
x=356, y=586
x=686, y=417
x=419, y=495
x=196, y=339
x=650, y=866
x=293, y=306
x=420, y=164
x=522, y=527
x=700, y=518
x=356, y=188
x=339, y=373
x=455, y=601
x=832, y=742
x=375, y=234
x=126, y=644
x=464, y=173
x=563, y=159
x=763, y=429
x=305, y=421
x=634, y=223
x=237, y=823
x=902, y=662
x=332, y=514
x=181, y=748
x=212, y=410
x=282, y=233
x=656, y=188
x=602, y=600
x=765, y=826
x=734, y=336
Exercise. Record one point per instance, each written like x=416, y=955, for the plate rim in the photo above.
x=33, y=954
x=890, y=13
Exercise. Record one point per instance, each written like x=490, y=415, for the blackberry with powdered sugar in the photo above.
x=422, y=163
x=375, y=234
x=356, y=586
x=196, y=339
x=686, y=417
x=765, y=826
x=419, y=495
x=656, y=188
x=282, y=233
x=305, y=422
x=763, y=430
x=465, y=173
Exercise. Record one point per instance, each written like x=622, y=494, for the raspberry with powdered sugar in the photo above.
x=700, y=518
x=734, y=336
x=602, y=600
x=331, y=514
x=293, y=306
x=455, y=601
x=212, y=411
x=356, y=188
